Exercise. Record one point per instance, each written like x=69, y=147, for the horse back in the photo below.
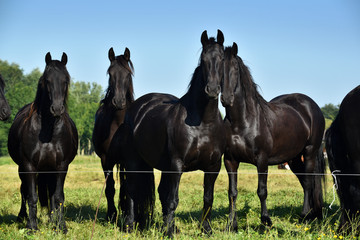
x=298, y=121
x=302, y=108
x=148, y=119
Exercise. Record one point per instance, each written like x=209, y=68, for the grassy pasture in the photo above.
x=85, y=181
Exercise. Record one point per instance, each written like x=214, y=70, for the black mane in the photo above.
x=2, y=82
x=248, y=87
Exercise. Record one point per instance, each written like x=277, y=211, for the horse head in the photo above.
x=54, y=85
x=231, y=75
x=120, y=79
x=212, y=61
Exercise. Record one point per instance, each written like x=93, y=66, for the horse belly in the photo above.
x=288, y=146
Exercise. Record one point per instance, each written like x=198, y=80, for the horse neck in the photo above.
x=119, y=115
x=198, y=105
x=248, y=105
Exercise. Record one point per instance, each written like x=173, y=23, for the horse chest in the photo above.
x=45, y=156
x=241, y=143
x=203, y=149
x=45, y=150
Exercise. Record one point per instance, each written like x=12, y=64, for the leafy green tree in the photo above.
x=83, y=102
x=330, y=111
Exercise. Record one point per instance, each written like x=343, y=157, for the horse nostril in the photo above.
x=207, y=89
x=113, y=102
x=218, y=89
x=52, y=109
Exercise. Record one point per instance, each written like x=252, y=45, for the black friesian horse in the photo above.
x=110, y=116
x=175, y=136
x=343, y=149
x=4, y=105
x=268, y=133
x=43, y=141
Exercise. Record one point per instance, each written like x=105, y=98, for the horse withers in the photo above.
x=43, y=141
x=110, y=115
x=269, y=133
x=175, y=136
x=343, y=150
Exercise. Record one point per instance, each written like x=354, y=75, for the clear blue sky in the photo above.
x=311, y=47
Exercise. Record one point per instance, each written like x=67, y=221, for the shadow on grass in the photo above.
x=290, y=213
x=8, y=219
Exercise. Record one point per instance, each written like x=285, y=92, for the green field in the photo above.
x=85, y=181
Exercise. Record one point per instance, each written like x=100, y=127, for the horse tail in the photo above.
x=136, y=181
x=42, y=189
x=144, y=208
x=318, y=191
x=138, y=186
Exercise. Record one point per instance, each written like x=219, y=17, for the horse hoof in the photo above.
x=266, y=221
x=111, y=218
x=207, y=230
x=232, y=227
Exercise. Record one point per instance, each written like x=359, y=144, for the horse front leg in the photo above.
x=262, y=169
x=22, y=214
x=209, y=182
x=57, y=199
x=231, y=168
x=29, y=177
x=169, y=197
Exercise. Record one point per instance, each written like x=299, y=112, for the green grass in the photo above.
x=85, y=181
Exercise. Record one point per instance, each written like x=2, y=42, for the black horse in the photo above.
x=175, y=136
x=43, y=141
x=343, y=149
x=110, y=116
x=268, y=133
x=4, y=105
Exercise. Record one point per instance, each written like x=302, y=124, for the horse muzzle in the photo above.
x=57, y=110
x=119, y=103
x=212, y=91
x=227, y=100
x=5, y=113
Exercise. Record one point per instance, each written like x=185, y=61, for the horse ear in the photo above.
x=111, y=54
x=48, y=58
x=64, y=59
x=204, y=38
x=234, y=49
x=127, y=54
x=220, y=37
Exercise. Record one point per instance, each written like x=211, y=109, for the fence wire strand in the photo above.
x=288, y=172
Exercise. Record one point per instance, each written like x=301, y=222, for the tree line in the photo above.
x=83, y=101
